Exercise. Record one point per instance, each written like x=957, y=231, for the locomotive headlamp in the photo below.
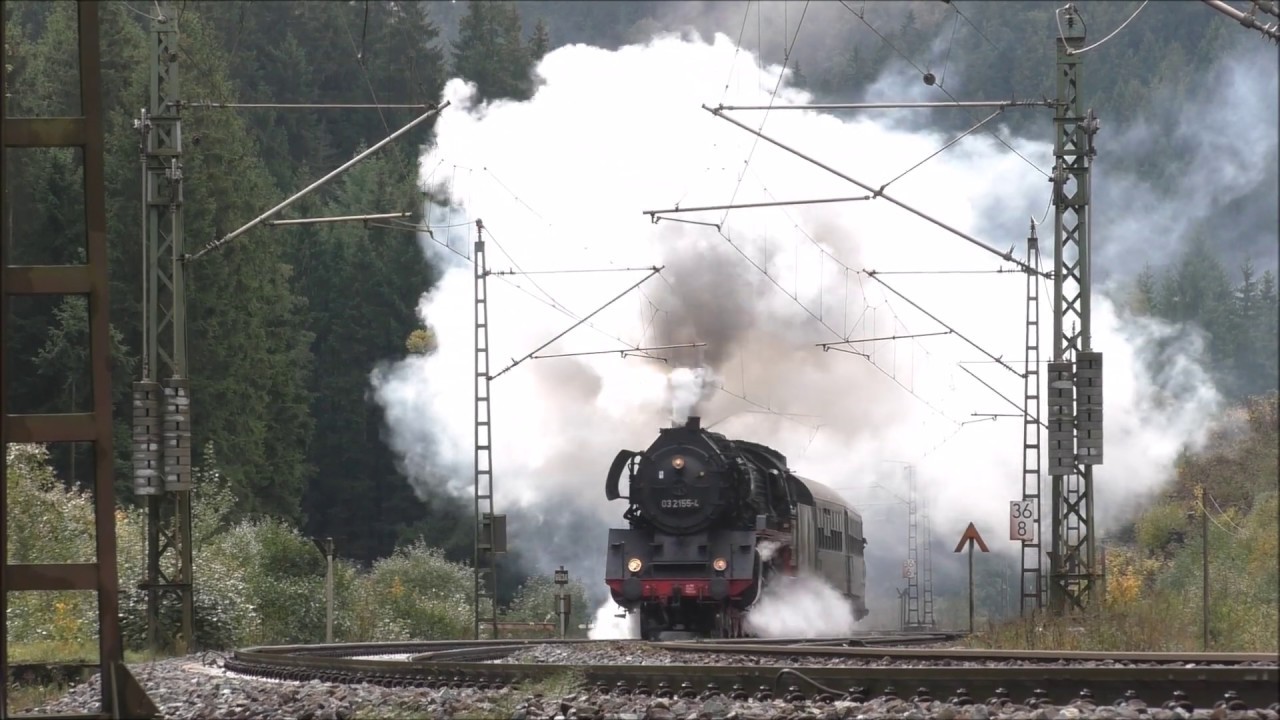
x=719, y=564
x=678, y=463
x=634, y=565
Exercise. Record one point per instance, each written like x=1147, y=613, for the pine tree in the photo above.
x=798, y=78
x=540, y=41
x=1144, y=300
x=1244, y=327
x=490, y=52
x=1269, y=336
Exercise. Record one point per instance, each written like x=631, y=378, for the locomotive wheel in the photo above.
x=729, y=623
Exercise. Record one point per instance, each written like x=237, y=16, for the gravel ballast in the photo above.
x=183, y=688
x=624, y=653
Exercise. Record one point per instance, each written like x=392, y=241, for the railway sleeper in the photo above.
x=1236, y=690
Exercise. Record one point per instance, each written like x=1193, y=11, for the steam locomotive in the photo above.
x=712, y=521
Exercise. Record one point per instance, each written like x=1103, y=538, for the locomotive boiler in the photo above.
x=711, y=521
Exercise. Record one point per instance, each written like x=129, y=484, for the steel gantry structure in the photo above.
x=1074, y=431
x=919, y=558
x=490, y=529
x=120, y=696
x=1075, y=374
x=161, y=435
x=161, y=398
x=913, y=554
x=926, y=594
x=1032, y=588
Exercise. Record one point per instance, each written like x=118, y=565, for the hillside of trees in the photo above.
x=287, y=323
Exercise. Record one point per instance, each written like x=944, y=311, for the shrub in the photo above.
x=414, y=594
x=535, y=602
x=1162, y=529
x=279, y=578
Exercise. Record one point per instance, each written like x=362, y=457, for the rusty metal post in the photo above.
x=970, y=588
x=121, y=694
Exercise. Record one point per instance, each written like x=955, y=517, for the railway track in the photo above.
x=795, y=670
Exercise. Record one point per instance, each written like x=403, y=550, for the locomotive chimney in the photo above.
x=693, y=423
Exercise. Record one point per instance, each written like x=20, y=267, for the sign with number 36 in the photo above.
x=1022, y=520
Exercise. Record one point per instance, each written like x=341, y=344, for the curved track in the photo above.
x=816, y=670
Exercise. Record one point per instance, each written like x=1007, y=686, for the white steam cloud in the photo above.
x=767, y=548
x=560, y=182
x=612, y=623
x=800, y=607
x=688, y=387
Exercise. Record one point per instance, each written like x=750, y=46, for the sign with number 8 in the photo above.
x=1022, y=520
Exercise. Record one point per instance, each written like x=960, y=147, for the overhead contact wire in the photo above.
x=772, y=97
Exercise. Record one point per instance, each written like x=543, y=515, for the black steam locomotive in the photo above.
x=712, y=520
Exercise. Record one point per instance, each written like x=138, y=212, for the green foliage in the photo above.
x=1240, y=321
x=358, y=495
x=535, y=602
x=279, y=372
x=414, y=594
x=1154, y=589
x=539, y=41
x=257, y=581
x=282, y=575
x=490, y=52
x=285, y=325
x=52, y=525
x=1161, y=527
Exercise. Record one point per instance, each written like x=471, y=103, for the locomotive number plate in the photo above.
x=672, y=503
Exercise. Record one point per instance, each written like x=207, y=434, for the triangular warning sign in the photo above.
x=971, y=536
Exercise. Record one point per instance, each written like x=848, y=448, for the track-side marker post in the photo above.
x=562, y=601
x=971, y=536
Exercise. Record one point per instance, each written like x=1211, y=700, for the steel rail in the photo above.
x=1232, y=679
x=963, y=654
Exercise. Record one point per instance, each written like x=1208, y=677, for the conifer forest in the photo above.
x=289, y=324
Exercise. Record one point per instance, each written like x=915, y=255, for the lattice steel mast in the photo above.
x=926, y=618
x=1075, y=376
x=913, y=552
x=485, y=564
x=1031, y=583
x=161, y=399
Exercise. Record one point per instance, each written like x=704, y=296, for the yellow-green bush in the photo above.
x=1154, y=589
x=414, y=594
x=257, y=581
x=535, y=602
